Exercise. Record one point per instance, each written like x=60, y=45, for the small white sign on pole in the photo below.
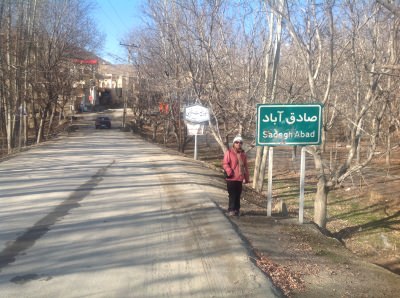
x=196, y=116
x=195, y=129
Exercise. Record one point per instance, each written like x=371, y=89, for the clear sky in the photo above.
x=116, y=18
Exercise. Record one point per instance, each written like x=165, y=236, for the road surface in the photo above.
x=102, y=213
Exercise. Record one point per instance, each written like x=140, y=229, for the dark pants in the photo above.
x=234, y=191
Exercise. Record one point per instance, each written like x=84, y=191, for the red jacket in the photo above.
x=232, y=168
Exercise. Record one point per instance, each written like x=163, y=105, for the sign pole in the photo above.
x=270, y=163
x=302, y=174
x=195, y=146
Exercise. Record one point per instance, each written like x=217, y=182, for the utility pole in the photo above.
x=129, y=46
x=124, y=94
x=125, y=90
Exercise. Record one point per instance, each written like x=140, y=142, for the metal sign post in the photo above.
x=195, y=147
x=302, y=174
x=195, y=130
x=270, y=164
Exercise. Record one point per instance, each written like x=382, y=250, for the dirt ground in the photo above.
x=299, y=258
x=306, y=262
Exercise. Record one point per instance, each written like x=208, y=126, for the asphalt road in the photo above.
x=102, y=213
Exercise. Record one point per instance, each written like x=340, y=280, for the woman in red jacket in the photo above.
x=235, y=166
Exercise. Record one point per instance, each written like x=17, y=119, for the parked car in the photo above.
x=103, y=122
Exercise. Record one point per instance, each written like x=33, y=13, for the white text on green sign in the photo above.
x=290, y=124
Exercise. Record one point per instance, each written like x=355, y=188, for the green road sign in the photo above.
x=288, y=124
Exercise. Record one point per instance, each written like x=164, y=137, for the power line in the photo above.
x=116, y=57
x=109, y=19
x=118, y=16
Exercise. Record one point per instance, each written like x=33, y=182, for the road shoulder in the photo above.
x=300, y=260
x=303, y=262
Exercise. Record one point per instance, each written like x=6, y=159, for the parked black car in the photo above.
x=103, y=122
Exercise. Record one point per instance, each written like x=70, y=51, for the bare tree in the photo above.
x=390, y=6
x=64, y=28
x=323, y=57
x=37, y=39
x=209, y=56
x=15, y=35
x=343, y=54
x=272, y=57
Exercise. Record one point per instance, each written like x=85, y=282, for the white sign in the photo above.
x=196, y=114
x=195, y=129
